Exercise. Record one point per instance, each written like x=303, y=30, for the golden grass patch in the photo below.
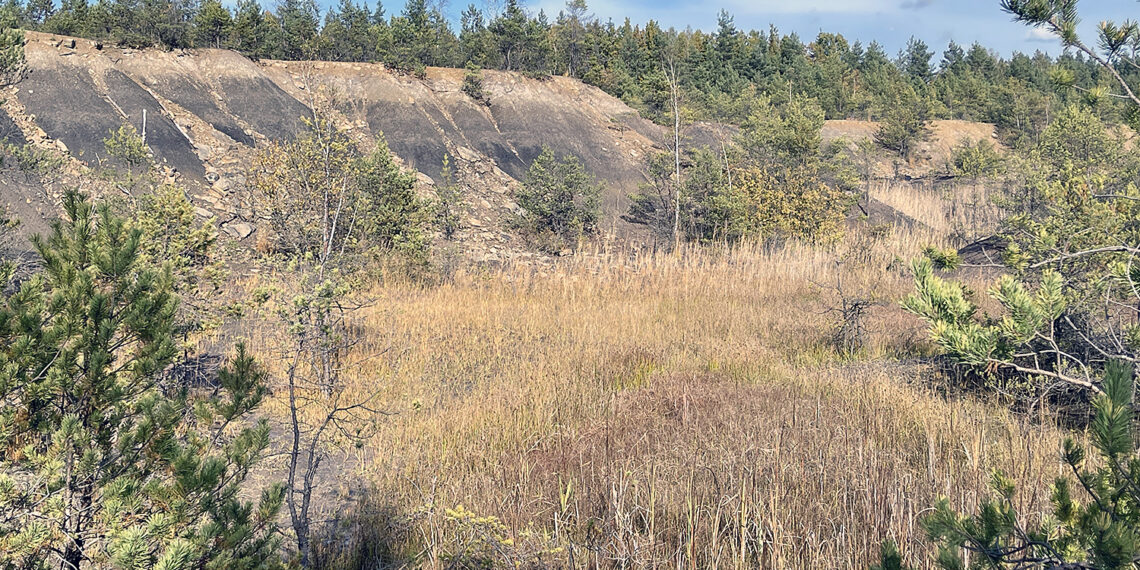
x=661, y=410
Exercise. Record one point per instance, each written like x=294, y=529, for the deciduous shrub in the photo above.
x=367, y=200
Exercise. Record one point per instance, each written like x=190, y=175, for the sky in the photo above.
x=890, y=22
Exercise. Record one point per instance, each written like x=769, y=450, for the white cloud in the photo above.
x=1040, y=35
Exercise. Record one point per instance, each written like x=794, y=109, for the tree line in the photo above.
x=721, y=73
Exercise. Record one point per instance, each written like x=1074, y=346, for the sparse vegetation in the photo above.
x=719, y=72
x=450, y=204
x=584, y=412
x=1070, y=234
x=329, y=206
x=33, y=160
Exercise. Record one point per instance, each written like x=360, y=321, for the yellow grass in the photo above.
x=660, y=410
x=964, y=209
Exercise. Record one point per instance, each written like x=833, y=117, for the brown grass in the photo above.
x=661, y=410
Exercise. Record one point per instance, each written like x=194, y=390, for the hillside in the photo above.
x=810, y=350
x=207, y=110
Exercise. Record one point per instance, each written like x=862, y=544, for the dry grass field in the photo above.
x=963, y=209
x=686, y=411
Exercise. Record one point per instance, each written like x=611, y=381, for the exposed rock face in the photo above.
x=239, y=230
x=207, y=111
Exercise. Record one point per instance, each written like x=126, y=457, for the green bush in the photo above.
x=173, y=236
x=13, y=64
x=560, y=202
x=128, y=146
x=978, y=159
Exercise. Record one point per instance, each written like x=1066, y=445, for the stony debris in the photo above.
x=219, y=109
x=239, y=230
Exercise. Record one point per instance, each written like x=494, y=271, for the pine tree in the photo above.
x=253, y=33
x=560, y=202
x=213, y=24
x=70, y=19
x=106, y=460
x=474, y=39
x=347, y=34
x=510, y=33
x=904, y=125
x=411, y=38
x=1069, y=246
x=172, y=233
x=889, y=557
x=572, y=35
x=473, y=85
x=953, y=59
x=299, y=23
x=791, y=136
x=13, y=64
x=1096, y=528
x=915, y=60
x=38, y=11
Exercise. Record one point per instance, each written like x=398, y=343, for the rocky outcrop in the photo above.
x=206, y=112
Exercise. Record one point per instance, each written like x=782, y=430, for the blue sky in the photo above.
x=890, y=22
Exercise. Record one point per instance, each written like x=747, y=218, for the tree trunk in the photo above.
x=676, y=156
x=303, y=545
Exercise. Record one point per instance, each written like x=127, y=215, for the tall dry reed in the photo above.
x=681, y=410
